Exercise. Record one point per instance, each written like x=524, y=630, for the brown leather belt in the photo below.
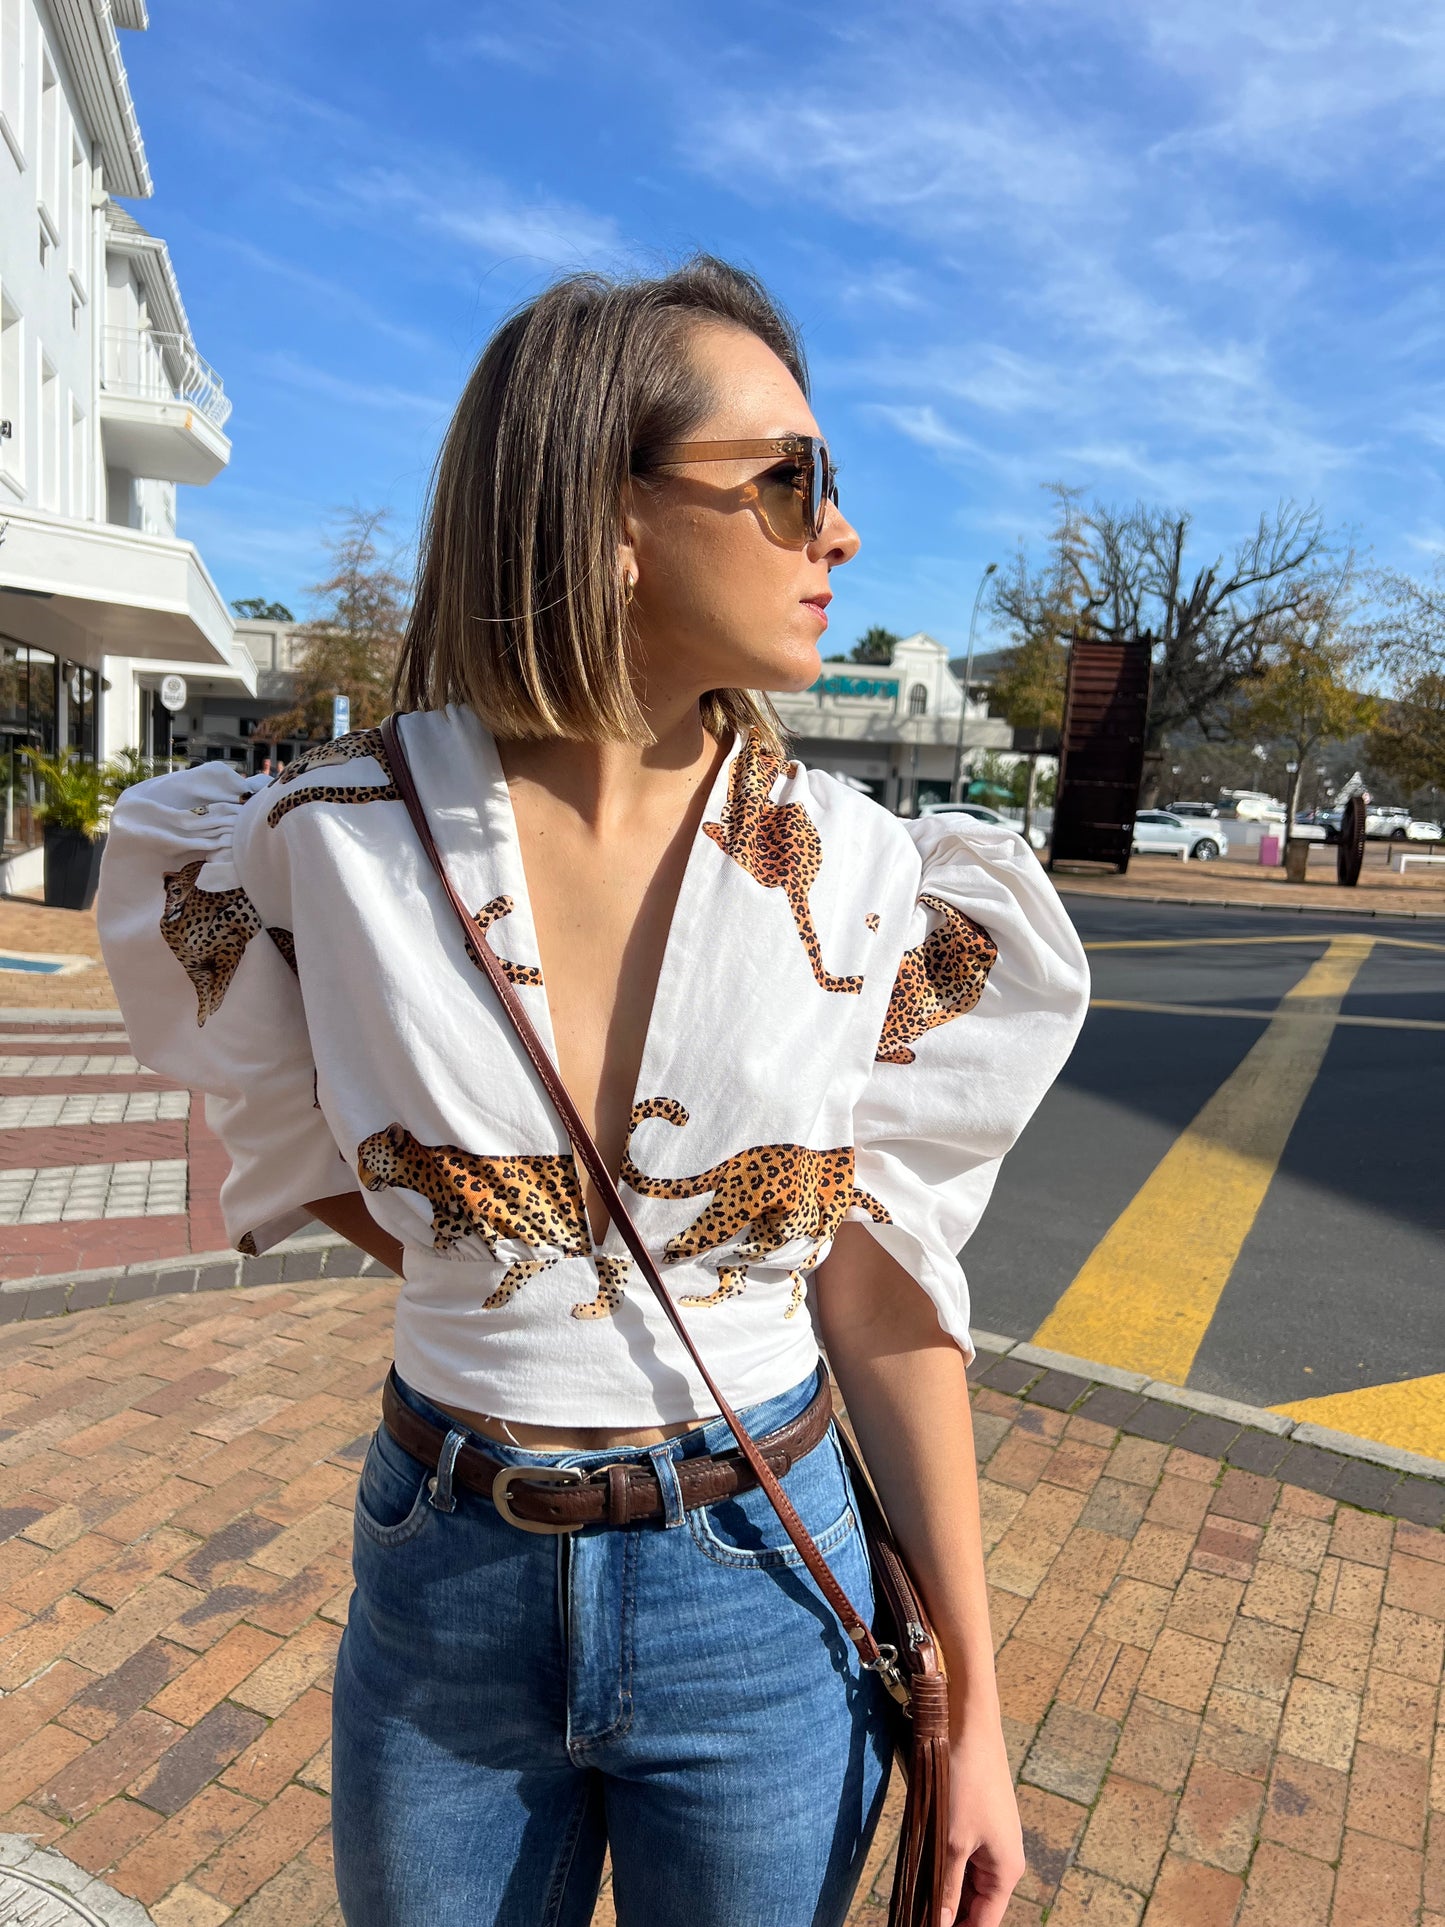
x=545, y=1498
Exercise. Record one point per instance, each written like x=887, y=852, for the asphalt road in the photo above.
x=1284, y=1245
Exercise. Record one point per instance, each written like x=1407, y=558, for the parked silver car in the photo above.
x=1161, y=833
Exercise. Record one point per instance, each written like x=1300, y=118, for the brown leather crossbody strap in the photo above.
x=482, y=956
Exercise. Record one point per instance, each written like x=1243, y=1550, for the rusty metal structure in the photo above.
x=1101, y=755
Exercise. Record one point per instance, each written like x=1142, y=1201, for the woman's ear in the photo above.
x=629, y=539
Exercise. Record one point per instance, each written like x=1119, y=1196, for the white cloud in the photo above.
x=486, y=216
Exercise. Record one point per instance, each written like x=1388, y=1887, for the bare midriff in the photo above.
x=583, y=1438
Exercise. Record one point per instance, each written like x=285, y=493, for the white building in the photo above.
x=895, y=728
x=105, y=404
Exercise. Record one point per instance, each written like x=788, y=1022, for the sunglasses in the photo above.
x=791, y=498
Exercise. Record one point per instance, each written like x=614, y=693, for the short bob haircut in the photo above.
x=519, y=608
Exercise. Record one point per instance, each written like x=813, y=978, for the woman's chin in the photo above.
x=788, y=671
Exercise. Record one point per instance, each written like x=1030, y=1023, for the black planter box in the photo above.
x=72, y=868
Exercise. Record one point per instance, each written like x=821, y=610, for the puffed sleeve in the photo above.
x=984, y=1012
x=196, y=933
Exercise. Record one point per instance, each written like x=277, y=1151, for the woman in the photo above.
x=803, y=1033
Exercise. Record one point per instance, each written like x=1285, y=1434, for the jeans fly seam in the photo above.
x=622, y=1725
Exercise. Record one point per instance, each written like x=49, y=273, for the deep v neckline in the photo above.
x=668, y=990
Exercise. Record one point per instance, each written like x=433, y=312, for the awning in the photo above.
x=86, y=590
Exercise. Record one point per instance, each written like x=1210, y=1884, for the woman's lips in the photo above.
x=819, y=609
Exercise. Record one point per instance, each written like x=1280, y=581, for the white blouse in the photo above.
x=855, y=1018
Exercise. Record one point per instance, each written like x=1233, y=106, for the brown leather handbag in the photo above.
x=907, y=1660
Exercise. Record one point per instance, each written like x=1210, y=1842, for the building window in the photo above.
x=12, y=77
x=11, y=400
x=79, y=466
x=918, y=700
x=79, y=209
x=49, y=167
x=27, y=715
x=48, y=466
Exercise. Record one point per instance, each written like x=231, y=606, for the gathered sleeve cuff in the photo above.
x=985, y=1010
x=204, y=969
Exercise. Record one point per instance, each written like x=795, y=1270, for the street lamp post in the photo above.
x=954, y=789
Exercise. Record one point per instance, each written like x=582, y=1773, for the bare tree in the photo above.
x=350, y=649
x=1126, y=574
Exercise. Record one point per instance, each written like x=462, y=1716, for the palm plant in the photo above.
x=74, y=791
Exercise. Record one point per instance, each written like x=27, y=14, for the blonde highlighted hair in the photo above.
x=519, y=609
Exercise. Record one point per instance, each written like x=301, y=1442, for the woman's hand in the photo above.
x=985, y=1840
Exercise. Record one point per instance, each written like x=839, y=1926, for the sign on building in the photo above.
x=173, y=692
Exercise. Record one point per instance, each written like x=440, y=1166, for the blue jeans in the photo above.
x=508, y=1706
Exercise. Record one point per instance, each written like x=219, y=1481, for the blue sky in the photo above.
x=1186, y=252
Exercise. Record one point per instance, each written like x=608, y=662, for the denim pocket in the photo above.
x=746, y=1531
x=392, y=1502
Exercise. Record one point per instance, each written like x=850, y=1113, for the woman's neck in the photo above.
x=609, y=783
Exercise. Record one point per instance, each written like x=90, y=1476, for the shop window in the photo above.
x=918, y=700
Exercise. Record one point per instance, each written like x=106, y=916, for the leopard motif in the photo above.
x=206, y=932
x=339, y=749
x=777, y=844
x=938, y=981
x=534, y=1200
x=772, y=1192
x=342, y=749
x=515, y=973
x=285, y=942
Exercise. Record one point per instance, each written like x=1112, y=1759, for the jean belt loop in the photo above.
x=440, y=1485
x=666, y=1470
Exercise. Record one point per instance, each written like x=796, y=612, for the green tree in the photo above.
x=1408, y=737
x=1306, y=693
x=256, y=608
x=875, y=645
x=351, y=648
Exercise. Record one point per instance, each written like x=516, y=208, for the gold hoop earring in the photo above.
x=629, y=589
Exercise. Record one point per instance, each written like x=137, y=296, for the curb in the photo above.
x=76, y=1019
x=1245, y=903
x=290, y=1262
x=1248, y=1438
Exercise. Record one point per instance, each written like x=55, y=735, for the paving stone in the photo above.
x=1190, y=1895
x=197, y=1756
x=1071, y=1753
x=1060, y=1390
x=1209, y=1436
x=1259, y=1451
x=1127, y=1832
x=1157, y=1421
x=1421, y=1500
x=1245, y=1495
x=1286, y=1889
x=1388, y=1794
x=1377, y=1882
x=1320, y=1723
x=1217, y=1817
x=1009, y=1375
x=1107, y=1405
x=1308, y=1466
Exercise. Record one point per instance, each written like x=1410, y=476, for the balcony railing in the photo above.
x=150, y=366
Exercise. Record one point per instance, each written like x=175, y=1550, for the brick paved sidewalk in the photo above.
x=1222, y=1693
x=1380, y=891
x=102, y=1163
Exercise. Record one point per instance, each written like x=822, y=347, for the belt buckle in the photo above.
x=537, y=1475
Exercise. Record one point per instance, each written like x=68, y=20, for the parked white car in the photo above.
x=984, y=814
x=1396, y=825
x=1161, y=833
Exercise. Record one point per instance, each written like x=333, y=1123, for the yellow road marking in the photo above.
x=1409, y=1413
x=1221, y=943
x=1260, y=1016
x=1146, y=1294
